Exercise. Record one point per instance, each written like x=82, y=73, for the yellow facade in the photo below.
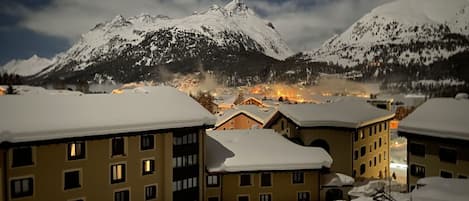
x=282, y=187
x=342, y=145
x=50, y=163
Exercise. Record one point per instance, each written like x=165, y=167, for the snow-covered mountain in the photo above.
x=144, y=43
x=26, y=67
x=403, y=32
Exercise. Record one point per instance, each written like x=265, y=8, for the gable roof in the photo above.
x=260, y=149
x=439, y=117
x=345, y=113
x=260, y=114
x=45, y=117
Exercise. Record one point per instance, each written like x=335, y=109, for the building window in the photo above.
x=117, y=173
x=213, y=199
x=448, y=155
x=417, y=149
x=147, y=142
x=213, y=181
x=185, y=161
x=462, y=176
x=371, y=148
x=374, y=129
x=185, y=184
x=298, y=177
x=185, y=139
x=362, y=169
x=355, y=136
x=384, y=156
x=22, y=156
x=355, y=155
x=369, y=163
x=303, y=196
x=362, y=151
x=446, y=174
x=385, y=125
x=150, y=192
x=21, y=187
x=245, y=180
x=265, y=197
x=379, y=128
x=379, y=142
x=122, y=195
x=370, y=131
x=379, y=158
x=72, y=179
x=148, y=166
x=282, y=125
x=374, y=161
x=417, y=170
x=266, y=179
x=76, y=151
x=243, y=198
x=354, y=173
x=118, y=146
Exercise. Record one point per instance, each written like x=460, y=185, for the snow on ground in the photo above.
x=337, y=179
x=23, y=118
x=441, y=189
x=260, y=149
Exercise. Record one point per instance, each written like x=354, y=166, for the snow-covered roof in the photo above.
x=439, y=117
x=260, y=114
x=45, y=117
x=33, y=90
x=441, y=189
x=345, y=113
x=337, y=179
x=260, y=149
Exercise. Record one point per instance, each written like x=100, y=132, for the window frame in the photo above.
x=413, y=151
x=124, y=145
x=80, y=179
x=242, y=195
x=82, y=156
x=23, y=164
x=306, y=193
x=152, y=145
x=121, y=190
x=145, y=192
x=124, y=173
x=22, y=194
x=415, y=174
x=261, y=179
x=364, y=169
x=300, y=181
x=269, y=195
x=210, y=178
x=448, y=172
x=152, y=166
x=449, y=150
x=241, y=180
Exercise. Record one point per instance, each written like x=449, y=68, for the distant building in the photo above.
x=244, y=117
x=103, y=147
x=261, y=165
x=355, y=133
x=252, y=101
x=437, y=135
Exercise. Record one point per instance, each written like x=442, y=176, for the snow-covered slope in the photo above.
x=154, y=40
x=26, y=67
x=402, y=32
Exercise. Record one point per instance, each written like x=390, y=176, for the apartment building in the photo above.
x=244, y=117
x=258, y=164
x=103, y=147
x=437, y=135
x=353, y=132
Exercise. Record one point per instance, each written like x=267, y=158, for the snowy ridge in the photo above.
x=406, y=31
x=26, y=67
x=112, y=37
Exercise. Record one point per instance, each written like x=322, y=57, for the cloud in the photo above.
x=304, y=24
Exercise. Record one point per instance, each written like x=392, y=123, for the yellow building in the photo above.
x=258, y=164
x=355, y=134
x=244, y=117
x=437, y=135
x=103, y=147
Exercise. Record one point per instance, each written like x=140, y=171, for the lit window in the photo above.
x=117, y=173
x=148, y=166
x=76, y=150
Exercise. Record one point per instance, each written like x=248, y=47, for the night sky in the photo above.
x=48, y=27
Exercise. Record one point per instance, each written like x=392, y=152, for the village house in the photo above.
x=437, y=135
x=252, y=101
x=353, y=132
x=244, y=117
x=103, y=147
x=261, y=165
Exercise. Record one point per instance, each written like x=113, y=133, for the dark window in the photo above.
x=266, y=179
x=265, y=197
x=72, y=180
x=213, y=181
x=148, y=166
x=22, y=156
x=374, y=162
x=417, y=149
x=362, y=169
x=122, y=195
x=354, y=173
x=379, y=128
x=282, y=125
x=371, y=131
x=243, y=198
x=370, y=163
x=355, y=155
x=117, y=173
x=375, y=129
x=213, y=199
x=76, y=150
x=21, y=187
x=385, y=125
x=355, y=136
x=417, y=170
x=448, y=155
x=363, y=151
x=375, y=144
x=379, y=143
x=245, y=180
x=117, y=146
x=462, y=177
x=147, y=142
x=445, y=174
x=298, y=177
x=303, y=196
x=150, y=192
